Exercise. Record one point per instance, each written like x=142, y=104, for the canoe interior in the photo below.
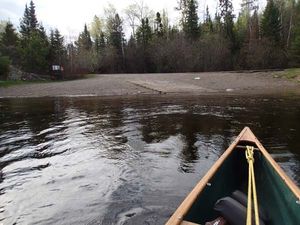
x=274, y=196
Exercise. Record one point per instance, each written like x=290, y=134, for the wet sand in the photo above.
x=207, y=83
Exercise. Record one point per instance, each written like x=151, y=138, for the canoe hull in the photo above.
x=275, y=189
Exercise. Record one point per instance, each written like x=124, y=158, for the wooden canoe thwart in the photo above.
x=277, y=195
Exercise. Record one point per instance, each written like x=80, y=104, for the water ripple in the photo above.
x=96, y=161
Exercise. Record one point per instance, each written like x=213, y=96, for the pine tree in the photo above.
x=165, y=24
x=295, y=45
x=25, y=23
x=116, y=36
x=116, y=40
x=29, y=22
x=102, y=42
x=191, y=27
x=35, y=53
x=227, y=19
x=97, y=44
x=270, y=24
x=9, y=43
x=254, y=26
x=84, y=41
x=217, y=26
x=10, y=36
x=158, y=25
x=32, y=17
x=34, y=42
x=144, y=33
x=208, y=24
x=57, y=49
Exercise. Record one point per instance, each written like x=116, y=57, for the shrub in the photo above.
x=4, y=66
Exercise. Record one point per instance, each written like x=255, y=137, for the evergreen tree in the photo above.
x=116, y=36
x=33, y=23
x=270, y=23
x=116, y=40
x=35, y=53
x=227, y=19
x=34, y=42
x=4, y=66
x=208, y=24
x=84, y=41
x=190, y=27
x=165, y=24
x=144, y=37
x=254, y=26
x=25, y=23
x=102, y=42
x=158, y=25
x=295, y=45
x=10, y=36
x=144, y=33
x=57, y=49
x=97, y=44
x=217, y=26
x=9, y=43
x=29, y=22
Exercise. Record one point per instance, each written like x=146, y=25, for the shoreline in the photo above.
x=150, y=85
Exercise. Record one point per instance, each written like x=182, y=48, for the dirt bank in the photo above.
x=177, y=83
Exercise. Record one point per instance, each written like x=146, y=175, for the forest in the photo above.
x=266, y=38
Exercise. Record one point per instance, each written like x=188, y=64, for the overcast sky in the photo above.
x=69, y=16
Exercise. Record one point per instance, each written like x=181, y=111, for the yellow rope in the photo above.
x=251, y=187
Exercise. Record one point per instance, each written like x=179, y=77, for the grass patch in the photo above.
x=8, y=83
x=87, y=76
x=292, y=73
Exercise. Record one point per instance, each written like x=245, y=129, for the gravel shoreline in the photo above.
x=207, y=83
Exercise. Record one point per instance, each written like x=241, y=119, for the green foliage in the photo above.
x=4, y=66
x=34, y=54
x=158, y=26
x=34, y=45
x=144, y=33
x=207, y=26
x=29, y=21
x=9, y=43
x=84, y=41
x=56, y=48
x=100, y=43
x=292, y=73
x=219, y=43
x=116, y=35
x=25, y=23
x=190, y=26
x=227, y=19
x=9, y=36
x=270, y=23
x=295, y=45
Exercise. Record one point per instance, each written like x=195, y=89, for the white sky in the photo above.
x=69, y=16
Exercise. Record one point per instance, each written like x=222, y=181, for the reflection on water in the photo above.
x=105, y=161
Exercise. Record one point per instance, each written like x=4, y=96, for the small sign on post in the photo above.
x=57, y=72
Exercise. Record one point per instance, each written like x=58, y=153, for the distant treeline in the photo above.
x=250, y=40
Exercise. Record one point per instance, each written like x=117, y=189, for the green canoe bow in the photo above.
x=276, y=193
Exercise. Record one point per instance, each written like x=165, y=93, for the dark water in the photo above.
x=104, y=161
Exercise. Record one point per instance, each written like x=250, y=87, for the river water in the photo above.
x=126, y=161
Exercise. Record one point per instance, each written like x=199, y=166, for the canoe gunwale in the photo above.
x=246, y=135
